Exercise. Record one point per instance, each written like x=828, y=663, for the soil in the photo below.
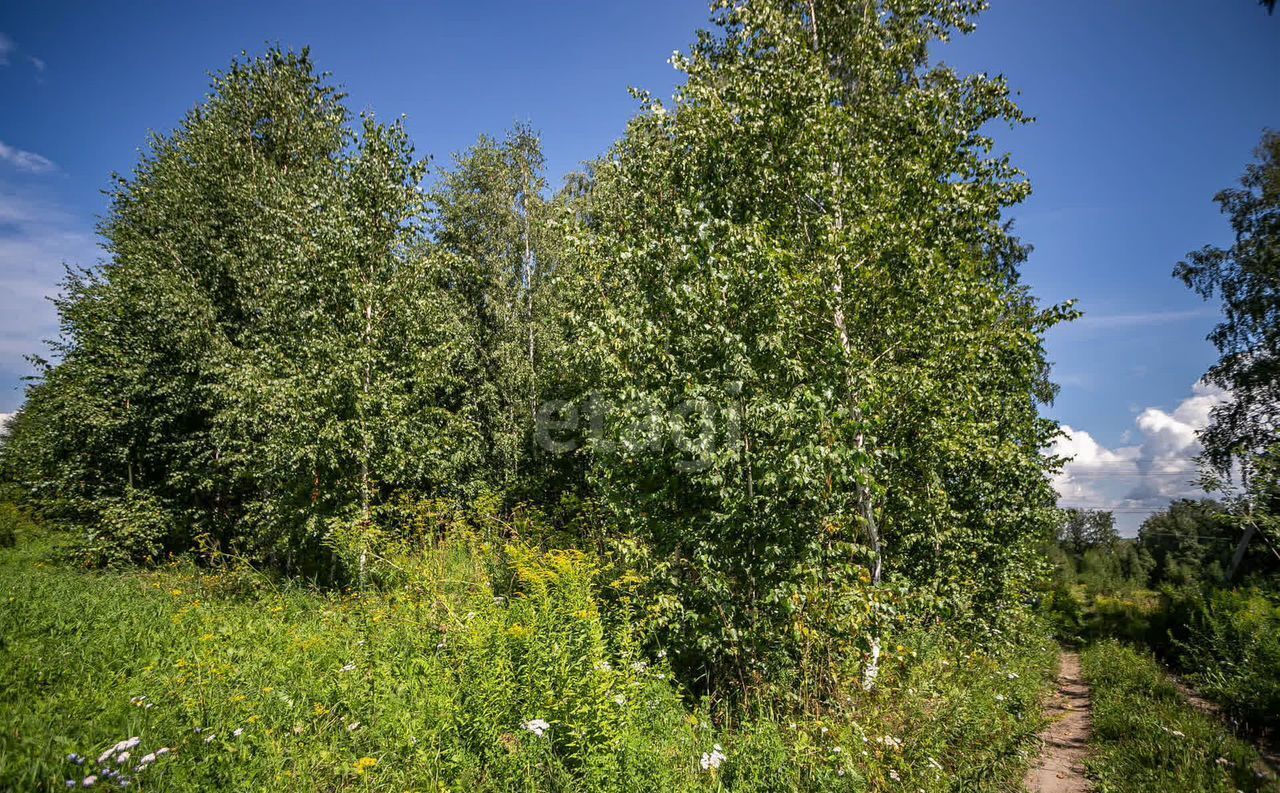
x=1060, y=767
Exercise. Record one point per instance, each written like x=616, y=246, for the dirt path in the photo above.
x=1060, y=768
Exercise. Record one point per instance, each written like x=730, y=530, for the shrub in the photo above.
x=133, y=529
x=1231, y=651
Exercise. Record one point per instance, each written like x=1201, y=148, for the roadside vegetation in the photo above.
x=475, y=669
x=1147, y=737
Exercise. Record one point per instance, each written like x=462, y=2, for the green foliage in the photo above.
x=267, y=347
x=129, y=530
x=805, y=325
x=788, y=309
x=1230, y=647
x=1246, y=278
x=436, y=683
x=1146, y=737
x=1190, y=542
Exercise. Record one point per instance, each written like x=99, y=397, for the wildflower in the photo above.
x=122, y=758
x=147, y=759
x=348, y=668
x=1013, y=675
x=353, y=726
x=894, y=775
x=364, y=764
x=209, y=738
x=538, y=727
x=711, y=761
x=90, y=781
x=662, y=654
x=237, y=732
x=604, y=666
x=75, y=759
x=618, y=698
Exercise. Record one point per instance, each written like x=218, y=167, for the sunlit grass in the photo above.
x=446, y=681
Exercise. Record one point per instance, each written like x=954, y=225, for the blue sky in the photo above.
x=1144, y=110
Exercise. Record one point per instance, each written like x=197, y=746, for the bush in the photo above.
x=14, y=521
x=133, y=529
x=1231, y=651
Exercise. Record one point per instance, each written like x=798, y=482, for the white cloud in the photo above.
x=1109, y=322
x=25, y=160
x=4, y=421
x=6, y=47
x=1138, y=477
x=36, y=238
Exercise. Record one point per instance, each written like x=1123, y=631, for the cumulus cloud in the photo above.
x=27, y=161
x=1155, y=466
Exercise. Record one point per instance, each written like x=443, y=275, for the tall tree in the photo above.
x=268, y=347
x=1246, y=279
x=818, y=362
x=499, y=235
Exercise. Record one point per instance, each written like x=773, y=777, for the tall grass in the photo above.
x=477, y=669
x=1146, y=737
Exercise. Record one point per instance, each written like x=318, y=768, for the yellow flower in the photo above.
x=364, y=764
x=208, y=637
x=175, y=592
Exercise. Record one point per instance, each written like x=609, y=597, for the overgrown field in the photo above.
x=1148, y=738
x=479, y=670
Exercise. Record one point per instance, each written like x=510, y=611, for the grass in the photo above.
x=436, y=682
x=1146, y=737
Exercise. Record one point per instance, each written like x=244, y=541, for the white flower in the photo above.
x=122, y=758
x=162, y=751
x=538, y=727
x=348, y=668
x=209, y=738
x=237, y=732
x=90, y=781
x=618, y=698
x=147, y=759
x=711, y=761
x=353, y=726
x=894, y=775
x=1013, y=675
x=999, y=697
